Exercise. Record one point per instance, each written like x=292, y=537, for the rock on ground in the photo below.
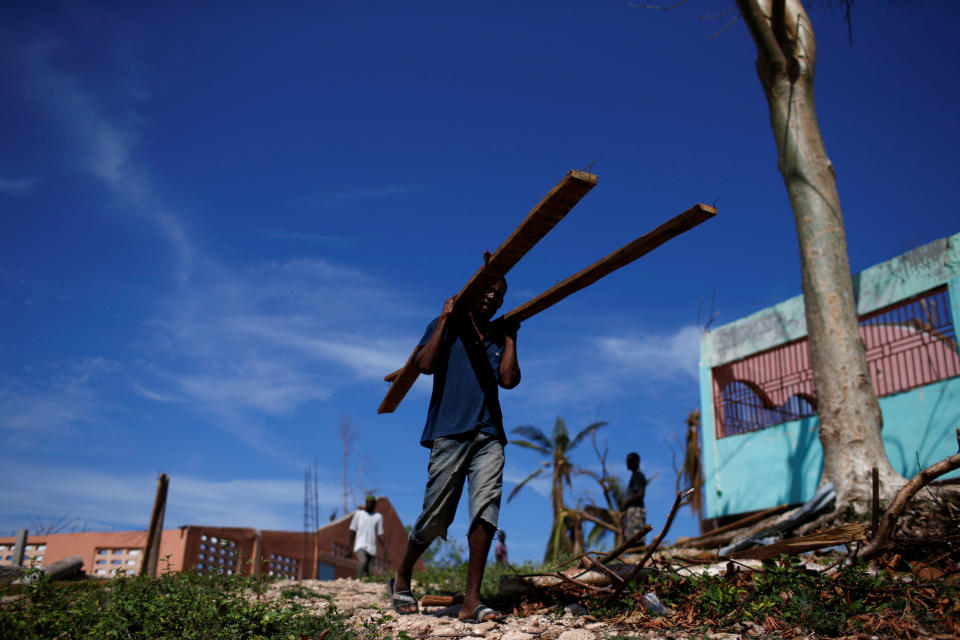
x=367, y=602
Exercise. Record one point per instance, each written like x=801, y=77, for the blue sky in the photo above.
x=225, y=222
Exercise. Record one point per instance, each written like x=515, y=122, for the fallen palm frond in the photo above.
x=792, y=546
x=691, y=473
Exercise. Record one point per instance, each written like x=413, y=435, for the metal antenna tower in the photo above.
x=311, y=518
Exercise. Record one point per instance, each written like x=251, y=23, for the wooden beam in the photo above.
x=541, y=219
x=753, y=518
x=148, y=566
x=619, y=258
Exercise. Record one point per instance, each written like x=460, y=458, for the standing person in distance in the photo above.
x=366, y=528
x=634, y=513
x=500, y=550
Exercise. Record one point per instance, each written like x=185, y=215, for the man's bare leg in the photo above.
x=401, y=581
x=479, y=539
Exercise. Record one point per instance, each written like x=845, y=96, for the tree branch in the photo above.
x=729, y=24
x=888, y=523
x=639, y=535
x=768, y=48
x=653, y=546
x=723, y=13
x=594, y=564
x=598, y=521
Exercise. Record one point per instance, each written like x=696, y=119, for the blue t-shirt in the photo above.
x=465, y=383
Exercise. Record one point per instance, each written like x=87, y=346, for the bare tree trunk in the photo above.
x=850, y=419
x=577, y=533
x=556, y=494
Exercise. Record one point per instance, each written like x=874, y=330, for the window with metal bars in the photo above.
x=909, y=344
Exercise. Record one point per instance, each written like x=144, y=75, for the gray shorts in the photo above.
x=363, y=563
x=634, y=519
x=476, y=458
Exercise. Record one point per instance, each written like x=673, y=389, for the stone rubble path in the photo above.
x=367, y=602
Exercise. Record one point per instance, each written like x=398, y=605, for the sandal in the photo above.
x=483, y=613
x=402, y=601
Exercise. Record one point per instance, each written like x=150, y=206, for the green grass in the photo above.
x=191, y=606
x=452, y=579
x=446, y=571
x=788, y=593
x=176, y=605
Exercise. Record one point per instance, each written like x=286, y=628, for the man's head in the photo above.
x=491, y=299
x=633, y=461
x=502, y=535
x=370, y=504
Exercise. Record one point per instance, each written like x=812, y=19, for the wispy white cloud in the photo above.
x=272, y=337
x=669, y=355
x=29, y=290
x=150, y=394
x=513, y=476
x=582, y=374
x=317, y=239
x=106, y=146
x=58, y=405
x=274, y=504
x=360, y=193
x=18, y=188
x=235, y=343
x=268, y=386
x=362, y=355
x=124, y=500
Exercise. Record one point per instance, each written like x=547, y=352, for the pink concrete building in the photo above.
x=205, y=549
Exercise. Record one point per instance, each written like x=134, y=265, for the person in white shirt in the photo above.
x=366, y=529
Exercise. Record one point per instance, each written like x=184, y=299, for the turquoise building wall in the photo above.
x=783, y=463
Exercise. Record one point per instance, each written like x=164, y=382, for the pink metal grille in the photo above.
x=909, y=344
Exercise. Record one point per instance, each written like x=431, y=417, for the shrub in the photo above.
x=176, y=605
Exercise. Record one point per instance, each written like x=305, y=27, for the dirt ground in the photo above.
x=368, y=602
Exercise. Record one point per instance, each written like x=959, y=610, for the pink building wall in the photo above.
x=207, y=549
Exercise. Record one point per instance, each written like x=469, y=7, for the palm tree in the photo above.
x=566, y=535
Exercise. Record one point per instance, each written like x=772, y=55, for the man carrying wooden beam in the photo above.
x=470, y=358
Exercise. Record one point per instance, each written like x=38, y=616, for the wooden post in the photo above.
x=19, y=547
x=257, y=554
x=152, y=552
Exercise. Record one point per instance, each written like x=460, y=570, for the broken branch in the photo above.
x=639, y=535
x=656, y=542
x=582, y=585
x=598, y=521
x=888, y=523
x=591, y=563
